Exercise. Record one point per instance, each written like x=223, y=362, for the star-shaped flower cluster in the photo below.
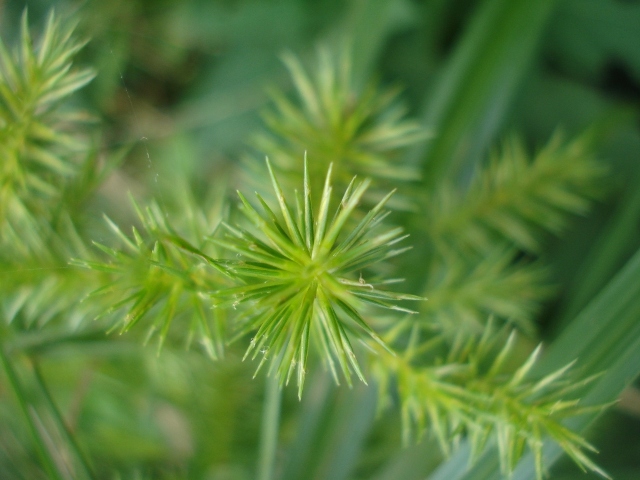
x=297, y=277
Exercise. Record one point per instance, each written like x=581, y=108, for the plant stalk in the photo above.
x=269, y=429
x=62, y=425
x=43, y=452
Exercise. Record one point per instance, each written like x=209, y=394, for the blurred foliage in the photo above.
x=514, y=228
x=361, y=131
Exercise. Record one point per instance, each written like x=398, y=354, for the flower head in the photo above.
x=360, y=129
x=297, y=278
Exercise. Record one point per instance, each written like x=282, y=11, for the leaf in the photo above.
x=467, y=106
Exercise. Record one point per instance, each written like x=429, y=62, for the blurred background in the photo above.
x=182, y=84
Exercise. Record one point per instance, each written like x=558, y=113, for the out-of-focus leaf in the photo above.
x=332, y=434
x=588, y=37
x=468, y=105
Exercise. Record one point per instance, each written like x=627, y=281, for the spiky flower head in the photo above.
x=359, y=129
x=157, y=276
x=474, y=390
x=297, y=278
x=39, y=147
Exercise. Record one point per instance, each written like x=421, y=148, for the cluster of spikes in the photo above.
x=304, y=277
x=40, y=149
x=477, y=390
x=363, y=129
x=153, y=277
x=298, y=278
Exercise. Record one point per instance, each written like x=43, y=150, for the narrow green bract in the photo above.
x=298, y=278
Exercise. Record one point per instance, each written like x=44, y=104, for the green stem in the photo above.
x=43, y=452
x=269, y=429
x=61, y=423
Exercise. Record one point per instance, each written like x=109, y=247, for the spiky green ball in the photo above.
x=298, y=282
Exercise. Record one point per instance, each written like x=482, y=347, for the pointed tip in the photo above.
x=243, y=199
x=537, y=351
x=269, y=166
x=288, y=58
x=329, y=171
x=306, y=170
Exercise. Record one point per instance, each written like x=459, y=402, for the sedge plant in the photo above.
x=303, y=275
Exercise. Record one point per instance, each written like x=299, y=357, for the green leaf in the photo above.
x=468, y=105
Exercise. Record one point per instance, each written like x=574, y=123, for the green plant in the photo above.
x=306, y=277
x=300, y=275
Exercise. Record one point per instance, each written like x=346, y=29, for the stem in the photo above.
x=269, y=429
x=61, y=423
x=42, y=450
